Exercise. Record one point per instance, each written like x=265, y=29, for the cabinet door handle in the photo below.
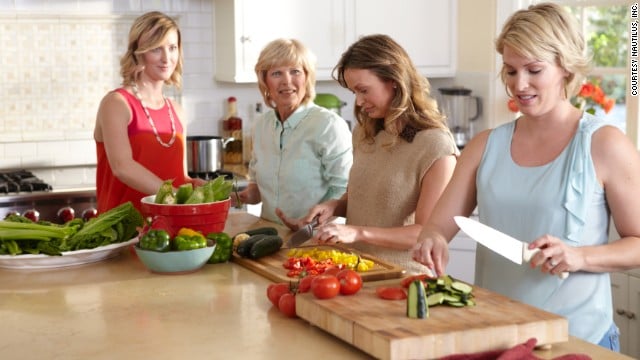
x=631, y=315
x=244, y=39
x=621, y=312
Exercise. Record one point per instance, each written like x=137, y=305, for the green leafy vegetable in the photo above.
x=116, y=225
x=213, y=190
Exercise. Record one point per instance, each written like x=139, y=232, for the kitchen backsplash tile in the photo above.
x=62, y=65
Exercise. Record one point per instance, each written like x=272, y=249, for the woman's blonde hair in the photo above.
x=547, y=32
x=282, y=52
x=147, y=33
x=412, y=100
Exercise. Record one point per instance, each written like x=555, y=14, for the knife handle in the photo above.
x=528, y=254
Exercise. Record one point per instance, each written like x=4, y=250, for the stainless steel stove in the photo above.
x=22, y=191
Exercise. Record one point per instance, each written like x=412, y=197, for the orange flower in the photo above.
x=608, y=105
x=586, y=90
x=598, y=95
x=591, y=95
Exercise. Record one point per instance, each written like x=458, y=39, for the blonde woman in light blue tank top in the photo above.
x=553, y=178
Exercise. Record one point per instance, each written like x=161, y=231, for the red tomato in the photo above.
x=287, y=304
x=275, y=291
x=325, y=286
x=408, y=280
x=304, y=284
x=333, y=270
x=350, y=282
x=391, y=293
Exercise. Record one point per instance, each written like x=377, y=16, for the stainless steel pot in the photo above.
x=205, y=154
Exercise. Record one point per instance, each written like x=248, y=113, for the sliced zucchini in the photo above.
x=451, y=298
x=462, y=287
x=456, y=304
x=417, y=307
x=435, y=299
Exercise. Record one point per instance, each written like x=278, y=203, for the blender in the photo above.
x=456, y=104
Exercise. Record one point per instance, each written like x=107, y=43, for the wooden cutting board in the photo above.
x=382, y=329
x=271, y=266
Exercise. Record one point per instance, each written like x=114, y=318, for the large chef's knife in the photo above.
x=303, y=234
x=498, y=242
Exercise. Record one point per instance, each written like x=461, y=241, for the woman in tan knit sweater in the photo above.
x=404, y=155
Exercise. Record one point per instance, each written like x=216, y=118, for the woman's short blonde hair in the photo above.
x=283, y=52
x=147, y=33
x=547, y=32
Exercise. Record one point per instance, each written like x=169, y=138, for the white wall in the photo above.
x=47, y=114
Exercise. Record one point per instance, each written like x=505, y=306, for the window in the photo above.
x=606, y=30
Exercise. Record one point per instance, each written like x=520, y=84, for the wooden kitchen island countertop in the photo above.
x=116, y=309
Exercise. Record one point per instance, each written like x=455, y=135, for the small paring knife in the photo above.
x=303, y=234
x=498, y=242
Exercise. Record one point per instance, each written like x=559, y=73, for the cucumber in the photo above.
x=244, y=248
x=270, y=244
x=263, y=230
x=417, y=307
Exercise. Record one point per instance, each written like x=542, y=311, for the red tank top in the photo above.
x=166, y=163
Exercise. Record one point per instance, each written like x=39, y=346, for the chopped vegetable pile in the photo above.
x=20, y=235
x=444, y=290
x=316, y=261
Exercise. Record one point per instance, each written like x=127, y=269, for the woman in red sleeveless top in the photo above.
x=140, y=139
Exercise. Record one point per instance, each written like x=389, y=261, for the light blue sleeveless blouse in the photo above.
x=562, y=198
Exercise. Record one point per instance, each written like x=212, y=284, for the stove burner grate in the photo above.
x=21, y=181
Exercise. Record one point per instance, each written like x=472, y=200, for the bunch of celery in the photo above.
x=19, y=235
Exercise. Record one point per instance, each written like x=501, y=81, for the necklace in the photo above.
x=134, y=87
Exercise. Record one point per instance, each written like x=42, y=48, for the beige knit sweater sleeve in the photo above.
x=385, y=183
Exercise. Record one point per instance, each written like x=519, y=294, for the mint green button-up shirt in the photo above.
x=301, y=162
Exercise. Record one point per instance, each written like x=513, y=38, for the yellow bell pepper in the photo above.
x=189, y=232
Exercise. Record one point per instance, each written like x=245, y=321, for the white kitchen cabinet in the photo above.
x=244, y=27
x=462, y=258
x=425, y=28
x=462, y=255
x=626, y=307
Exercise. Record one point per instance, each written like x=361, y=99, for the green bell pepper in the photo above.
x=224, y=247
x=186, y=242
x=155, y=240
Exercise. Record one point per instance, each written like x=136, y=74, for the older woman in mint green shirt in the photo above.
x=301, y=152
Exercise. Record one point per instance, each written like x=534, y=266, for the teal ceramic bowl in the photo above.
x=175, y=262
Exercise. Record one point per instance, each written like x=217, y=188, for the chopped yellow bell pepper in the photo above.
x=348, y=260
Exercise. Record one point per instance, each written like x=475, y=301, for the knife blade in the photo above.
x=498, y=242
x=303, y=234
